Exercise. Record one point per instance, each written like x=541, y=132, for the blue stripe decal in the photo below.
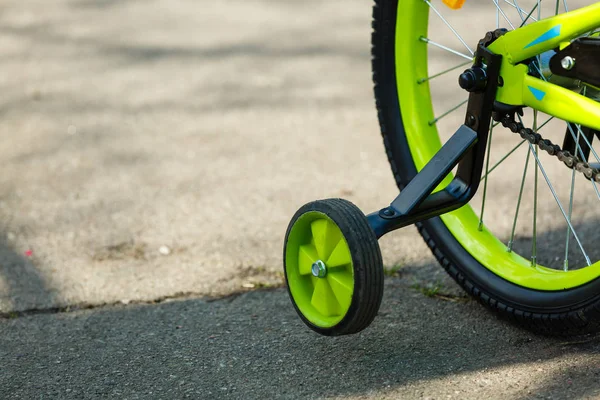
x=551, y=34
x=537, y=93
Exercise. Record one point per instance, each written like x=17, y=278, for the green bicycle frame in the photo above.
x=521, y=89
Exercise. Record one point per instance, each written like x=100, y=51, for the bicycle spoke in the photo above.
x=585, y=139
x=580, y=134
x=581, y=155
x=566, y=262
x=441, y=46
x=435, y=120
x=498, y=18
x=513, y=149
x=596, y=189
x=562, y=210
x=503, y=159
x=535, y=193
x=503, y=14
x=529, y=16
x=545, y=123
x=528, y=12
x=485, y=183
x=450, y=26
x=512, y=234
x=595, y=186
x=580, y=150
x=519, y=9
x=443, y=72
x=535, y=199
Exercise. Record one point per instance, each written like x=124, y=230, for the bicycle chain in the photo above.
x=564, y=156
x=508, y=121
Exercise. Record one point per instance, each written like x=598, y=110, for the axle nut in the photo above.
x=473, y=79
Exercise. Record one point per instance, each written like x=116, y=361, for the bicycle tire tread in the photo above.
x=578, y=321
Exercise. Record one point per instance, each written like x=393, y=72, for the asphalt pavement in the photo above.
x=152, y=155
x=253, y=346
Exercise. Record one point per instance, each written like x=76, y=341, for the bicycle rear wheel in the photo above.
x=501, y=261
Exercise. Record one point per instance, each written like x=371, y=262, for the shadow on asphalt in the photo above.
x=254, y=346
x=551, y=245
x=27, y=287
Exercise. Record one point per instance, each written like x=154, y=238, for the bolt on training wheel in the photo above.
x=333, y=267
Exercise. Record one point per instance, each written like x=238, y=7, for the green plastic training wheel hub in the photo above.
x=333, y=267
x=322, y=290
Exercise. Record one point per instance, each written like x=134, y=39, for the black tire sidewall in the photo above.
x=366, y=259
x=467, y=271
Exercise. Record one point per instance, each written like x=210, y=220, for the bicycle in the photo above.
x=545, y=62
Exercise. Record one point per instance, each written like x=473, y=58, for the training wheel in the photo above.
x=333, y=267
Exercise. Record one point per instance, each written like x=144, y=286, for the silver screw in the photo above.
x=567, y=63
x=318, y=269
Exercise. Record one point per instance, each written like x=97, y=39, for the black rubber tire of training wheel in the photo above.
x=366, y=257
x=569, y=312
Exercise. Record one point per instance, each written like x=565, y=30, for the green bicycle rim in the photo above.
x=416, y=107
x=323, y=301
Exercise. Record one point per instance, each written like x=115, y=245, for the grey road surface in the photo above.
x=254, y=347
x=193, y=126
x=152, y=155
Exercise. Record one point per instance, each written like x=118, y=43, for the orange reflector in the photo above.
x=454, y=4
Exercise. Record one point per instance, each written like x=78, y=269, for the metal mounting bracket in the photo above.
x=465, y=149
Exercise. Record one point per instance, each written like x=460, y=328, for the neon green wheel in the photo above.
x=506, y=261
x=333, y=267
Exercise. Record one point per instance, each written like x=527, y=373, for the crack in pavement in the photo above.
x=159, y=300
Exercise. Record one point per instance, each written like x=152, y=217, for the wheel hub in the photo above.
x=319, y=270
